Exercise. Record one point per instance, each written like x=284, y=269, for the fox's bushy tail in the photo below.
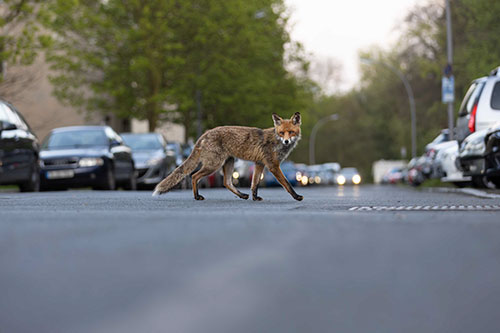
x=179, y=173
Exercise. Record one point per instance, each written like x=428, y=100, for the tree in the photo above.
x=19, y=43
x=145, y=59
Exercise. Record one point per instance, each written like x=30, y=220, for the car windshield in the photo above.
x=75, y=139
x=349, y=171
x=142, y=141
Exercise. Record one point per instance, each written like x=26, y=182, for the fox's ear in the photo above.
x=277, y=119
x=296, y=118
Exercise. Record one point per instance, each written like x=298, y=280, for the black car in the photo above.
x=19, y=151
x=152, y=159
x=82, y=156
x=492, y=155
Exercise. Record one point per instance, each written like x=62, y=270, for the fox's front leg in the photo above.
x=256, y=180
x=276, y=171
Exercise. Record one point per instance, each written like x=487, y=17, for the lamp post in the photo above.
x=312, y=140
x=411, y=99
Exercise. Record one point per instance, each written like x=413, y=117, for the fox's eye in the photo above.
x=282, y=133
x=291, y=133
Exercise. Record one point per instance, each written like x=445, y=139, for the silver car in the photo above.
x=480, y=108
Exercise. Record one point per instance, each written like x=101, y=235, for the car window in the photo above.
x=76, y=139
x=471, y=97
x=6, y=114
x=143, y=141
x=495, y=97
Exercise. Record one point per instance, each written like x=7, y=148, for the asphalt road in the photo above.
x=357, y=259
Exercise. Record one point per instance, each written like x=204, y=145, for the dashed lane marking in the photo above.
x=427, y=208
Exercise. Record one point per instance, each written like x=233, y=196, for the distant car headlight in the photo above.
x=298, y=176
x=317, y=180
x=356, y=179
x=341, y=180
x=90, y=162
x=304, y=181
x=236, y=175
x=154, y=161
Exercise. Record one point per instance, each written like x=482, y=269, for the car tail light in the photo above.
x=472, y=119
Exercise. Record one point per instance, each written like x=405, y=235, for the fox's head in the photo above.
x=287, y=130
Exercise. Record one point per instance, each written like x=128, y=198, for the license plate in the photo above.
x=60, y=174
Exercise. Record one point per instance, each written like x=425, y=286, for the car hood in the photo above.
x=142, y=156
x=80, y=152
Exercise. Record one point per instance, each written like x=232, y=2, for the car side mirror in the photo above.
x=114, y=143
x=6, y=126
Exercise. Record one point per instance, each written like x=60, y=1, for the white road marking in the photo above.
x=420, y=208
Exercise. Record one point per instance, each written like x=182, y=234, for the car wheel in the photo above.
x=33, y=184
x=109, y=183
x=479, y=182
x=495, y=181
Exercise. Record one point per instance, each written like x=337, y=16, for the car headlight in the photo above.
x=236, y=175
x=474, y=147
x=356, y=179
x=341, y=180
x=154, y=161
x=90, y=162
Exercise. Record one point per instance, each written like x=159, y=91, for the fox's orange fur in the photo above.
x=219, y=147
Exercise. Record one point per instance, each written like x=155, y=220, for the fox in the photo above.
x=218, y=147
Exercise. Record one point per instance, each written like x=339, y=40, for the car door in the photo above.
x=18, y=150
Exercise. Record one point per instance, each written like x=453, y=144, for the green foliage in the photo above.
x=144, y=59
x=374, y=118
x=19, y=44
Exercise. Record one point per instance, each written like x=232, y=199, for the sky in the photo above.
x=340, y=28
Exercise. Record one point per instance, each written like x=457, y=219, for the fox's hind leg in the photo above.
x=228, y=173
x=210, y=162
x=204, y=171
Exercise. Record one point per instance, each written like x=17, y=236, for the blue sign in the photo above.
x=448, y=89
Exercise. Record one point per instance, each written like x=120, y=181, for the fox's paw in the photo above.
x=199, y=197
x=244, y=196
x=257, y=198
x=298, y=197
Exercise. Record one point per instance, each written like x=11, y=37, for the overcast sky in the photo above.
x=339, y=28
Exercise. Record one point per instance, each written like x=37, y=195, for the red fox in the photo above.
x=219, y=147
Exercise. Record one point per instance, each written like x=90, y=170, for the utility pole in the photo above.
x=448, y=70
x=199, y=131
x=312, y=140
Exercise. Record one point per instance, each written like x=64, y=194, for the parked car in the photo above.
x=480, y=108
x=81, y=156
x=153, y=161
x=471, y=158
x=393, y=176
x=242, y=174
x=19, y=151
x=492, y=155
x=176, y=149
x=443, y=136
x=435, y=157
x=289, y=170
x=349, y=176
x=447, y=164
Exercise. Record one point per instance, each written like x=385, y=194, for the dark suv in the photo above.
x=19, y=150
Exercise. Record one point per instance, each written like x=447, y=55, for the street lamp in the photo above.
x=312, y=140
x=411, y=99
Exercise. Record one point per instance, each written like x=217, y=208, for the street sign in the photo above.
x=448, y=89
